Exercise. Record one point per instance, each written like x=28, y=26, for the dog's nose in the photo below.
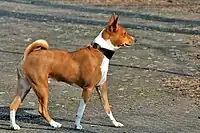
x=135, y=40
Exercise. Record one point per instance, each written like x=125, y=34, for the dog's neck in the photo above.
x=106, y=44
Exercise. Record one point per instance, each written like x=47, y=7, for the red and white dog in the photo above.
x=86, y=67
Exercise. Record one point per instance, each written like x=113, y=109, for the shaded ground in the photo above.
x=167, y=48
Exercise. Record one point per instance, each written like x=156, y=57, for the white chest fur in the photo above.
x=104, y=70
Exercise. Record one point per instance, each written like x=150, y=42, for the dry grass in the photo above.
x=167, y=5
x=187, y=86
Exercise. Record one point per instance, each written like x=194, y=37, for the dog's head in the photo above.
x=117, y=35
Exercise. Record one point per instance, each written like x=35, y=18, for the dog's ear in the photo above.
x=113, y=23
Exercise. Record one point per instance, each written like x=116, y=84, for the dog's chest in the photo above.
x=104, y=70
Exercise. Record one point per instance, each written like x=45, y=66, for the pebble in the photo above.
x=121, y=89
x=28, y=40
x=2, y=93
x=32, y=103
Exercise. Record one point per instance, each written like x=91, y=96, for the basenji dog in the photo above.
x=86, y=67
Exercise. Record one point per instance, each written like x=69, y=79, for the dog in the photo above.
x=86, y=67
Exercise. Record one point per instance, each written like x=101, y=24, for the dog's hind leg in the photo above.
x=85, y=98
x=23, y=87
x=102, y=92
x=42, y=94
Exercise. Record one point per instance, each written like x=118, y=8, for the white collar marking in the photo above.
x=104, y=43
x=105, y=62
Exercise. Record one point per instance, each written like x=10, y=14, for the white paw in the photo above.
x=55, y=124
x=15, y=126
x=78, y=127
x=118, y=124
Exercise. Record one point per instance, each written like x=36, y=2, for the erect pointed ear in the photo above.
x=112, y=24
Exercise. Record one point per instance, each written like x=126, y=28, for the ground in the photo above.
x=152, y=86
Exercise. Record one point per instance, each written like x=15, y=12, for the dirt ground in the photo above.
x=153, y=87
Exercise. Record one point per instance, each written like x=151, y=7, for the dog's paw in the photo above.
x=55, y=124
x=118, y=124
x=78, y=127
x=15, y=127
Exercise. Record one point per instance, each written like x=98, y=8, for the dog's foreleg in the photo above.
x=79, y=114
x=116, y=124
x=85, y=97
x=104, y=98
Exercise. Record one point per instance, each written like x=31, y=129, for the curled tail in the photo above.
x=38, y=43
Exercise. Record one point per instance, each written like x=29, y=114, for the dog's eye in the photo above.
x=125, y=33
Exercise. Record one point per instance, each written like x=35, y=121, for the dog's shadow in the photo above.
x=23, y=115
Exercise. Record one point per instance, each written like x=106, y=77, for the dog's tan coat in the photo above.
x=81, y=67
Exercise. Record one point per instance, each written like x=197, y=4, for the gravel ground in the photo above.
x=168, y=46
